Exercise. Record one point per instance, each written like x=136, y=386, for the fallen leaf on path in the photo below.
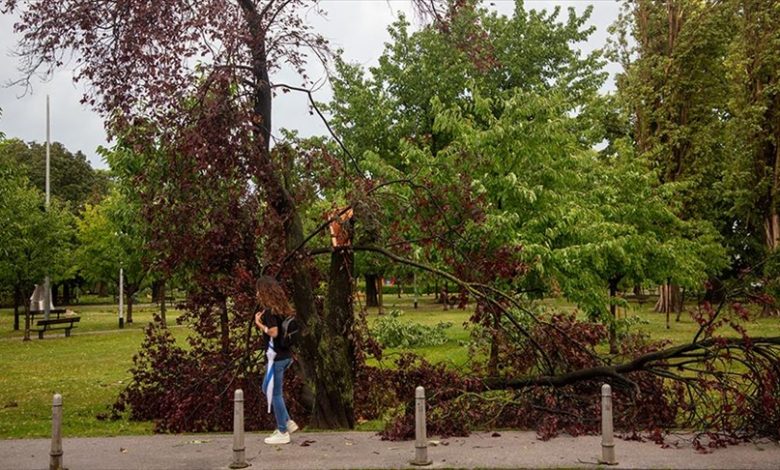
x=307, y=443
x=198, y=441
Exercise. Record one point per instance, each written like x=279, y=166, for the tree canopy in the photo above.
x=470, y=153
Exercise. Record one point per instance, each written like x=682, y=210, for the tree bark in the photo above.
x=224, y=327
x=680, y=303
x=371, y=296
x=771, y=239
x=613, y=285
x=639, y=294
x=66, y=292
x=156, y=291
x=17, y=299
x=162, y=302
x=130, y=291
x=669, y=300
x=380, y=281
x=55, y=298
x=335, y=394
x=27, y=320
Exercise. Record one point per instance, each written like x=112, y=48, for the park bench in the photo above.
x=55, y=311
x=65, y=323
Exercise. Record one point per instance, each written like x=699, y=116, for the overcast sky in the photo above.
x=359, y=27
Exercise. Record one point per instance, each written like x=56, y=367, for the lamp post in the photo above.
x=121, y=296
x=414, y=276
x=46, y=280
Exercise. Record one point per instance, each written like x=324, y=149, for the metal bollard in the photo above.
x=55, y=461
x=607, y=442
x=239, y=449
x=421, y=434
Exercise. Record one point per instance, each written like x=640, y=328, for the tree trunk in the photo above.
x=17, y=299
x=335, y=394
x=716, y=291
x=282, y=203
x=224, y=327
x=156, y=291
x=639, y=294
x=380, y=281
x=371, y=297
x=66, y=290
x=129, y=295
x=669, y=300
x=400, y=289
x=679, y=305
x=771, y=239
x=162, y=302
x=613, y=285
x=55, y=298
x=445, y=296
x=27, y=320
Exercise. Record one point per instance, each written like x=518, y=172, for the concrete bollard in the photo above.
x=420, y=432
x=55, y=461
x=607, y=441
x=239, y=449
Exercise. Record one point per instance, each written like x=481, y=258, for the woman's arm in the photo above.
x=273, y=332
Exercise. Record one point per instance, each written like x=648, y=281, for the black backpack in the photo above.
x=288, y=333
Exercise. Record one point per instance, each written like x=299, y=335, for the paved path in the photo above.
x=340, y=450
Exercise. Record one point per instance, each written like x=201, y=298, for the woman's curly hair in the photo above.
x=271, y=295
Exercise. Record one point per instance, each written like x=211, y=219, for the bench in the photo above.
x=65, y=323
x=54, y=311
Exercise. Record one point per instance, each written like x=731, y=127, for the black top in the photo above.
x=271, y=320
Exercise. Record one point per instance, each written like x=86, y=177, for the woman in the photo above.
x=273, y=309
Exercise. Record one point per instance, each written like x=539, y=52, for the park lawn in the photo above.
x=94, y=318
x=654, y=324
x=91, y=367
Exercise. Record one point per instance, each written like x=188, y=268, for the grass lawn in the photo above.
x=88, y=369
x=91, y=367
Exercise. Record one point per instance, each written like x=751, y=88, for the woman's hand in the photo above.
x=259, y=322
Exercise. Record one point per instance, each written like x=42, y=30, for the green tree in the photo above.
x=754, y=132
x=72, y=178
x=73, y=182
x=584, y=223
x=110, y=237
x=674, y=88
x=382, y=112
x=473, y=50
x=34, y=242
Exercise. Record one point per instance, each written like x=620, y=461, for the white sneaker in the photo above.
x=292, y=426
x=278, y=437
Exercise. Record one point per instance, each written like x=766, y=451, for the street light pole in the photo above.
x=121, y=295
x=47, y=281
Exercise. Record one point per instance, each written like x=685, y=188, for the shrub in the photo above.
x=392, y=332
